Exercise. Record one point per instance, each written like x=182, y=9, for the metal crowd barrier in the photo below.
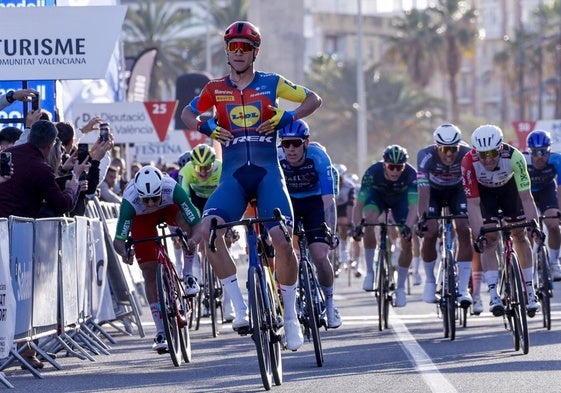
x=71, y=260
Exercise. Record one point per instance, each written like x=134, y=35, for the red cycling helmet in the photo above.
x=243, y=29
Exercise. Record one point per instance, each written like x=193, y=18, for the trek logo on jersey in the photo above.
x=250, y=138
x=245, y=116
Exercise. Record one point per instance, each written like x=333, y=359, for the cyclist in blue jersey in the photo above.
x=309, y=178
x=439, y=178
x=544, y=167
x=388, y=184
x=246, y=117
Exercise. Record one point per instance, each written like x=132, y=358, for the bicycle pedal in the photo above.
x=465, y=304
x=162, y=351
x=531, y=313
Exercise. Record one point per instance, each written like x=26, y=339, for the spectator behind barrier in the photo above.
x=107, y=187
x=33, y=179
x=9, y=136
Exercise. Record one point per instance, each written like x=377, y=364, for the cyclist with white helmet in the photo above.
x=495, y=177
x=149, y=199
x=245, y=123
x=308, y=173
x=439, y=178
x=388, y=184
x=544, y=167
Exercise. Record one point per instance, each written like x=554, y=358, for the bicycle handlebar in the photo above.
x=332, y=239
x=130, y=241
x=425, y=217
x=248, y=223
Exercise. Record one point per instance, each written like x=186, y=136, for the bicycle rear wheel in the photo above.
x=312, y=312
x=381, y=291
x=517, y=306
x=260, y=332
x=544, y=287
x=167, y=296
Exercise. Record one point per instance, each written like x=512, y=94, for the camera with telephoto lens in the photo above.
x=5, y=163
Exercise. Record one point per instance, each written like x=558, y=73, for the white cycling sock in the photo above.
x=230, y=284
x=288, y=293
x=328, y=294
x=476, y=279
x=553, y=257
x=429, y=271
x=369, y=260
x=402, y=273
x=464, y=273
x=157, y=317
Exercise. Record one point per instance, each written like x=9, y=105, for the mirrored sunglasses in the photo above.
x=540, y=152
x=446, y=149
x=147, y=200
x=245, y=47
x=491, y=153
x=395, y=167
x=286, y=143
x=203, y=168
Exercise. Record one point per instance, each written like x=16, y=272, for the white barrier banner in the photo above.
x=102, y=305
x=45, y=273
x=76, y=43
x=7, y=299
x=68, y=280
x=21, y=265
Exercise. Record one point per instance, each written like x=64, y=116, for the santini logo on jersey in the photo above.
x=251, y=138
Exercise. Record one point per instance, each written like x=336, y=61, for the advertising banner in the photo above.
x=74, y=49
x=7, y=299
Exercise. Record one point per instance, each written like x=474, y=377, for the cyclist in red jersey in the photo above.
x=245, y=123
x=495, y=177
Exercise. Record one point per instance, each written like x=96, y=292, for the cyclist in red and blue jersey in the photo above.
x=246, y=117
x=439, y=179
x=544, y=167
x=495, y=177
x=388, y=184
x=309, y=178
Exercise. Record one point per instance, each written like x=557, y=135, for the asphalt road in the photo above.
x=412, y=356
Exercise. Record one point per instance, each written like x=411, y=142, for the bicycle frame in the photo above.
x=263, y=324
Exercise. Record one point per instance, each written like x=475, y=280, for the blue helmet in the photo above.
x=296, y=129
x=538, y=138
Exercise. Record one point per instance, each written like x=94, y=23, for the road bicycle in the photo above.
x=543, y=280
x=175, y=306
x=447, y=291
x=209, y=299
x=265, y=317
x=511, y=287
x=310, y=302
x=384, y=288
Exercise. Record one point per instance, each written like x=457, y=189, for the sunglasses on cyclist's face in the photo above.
x=147, y=200
x=203, y=168
x=286, y=143
x=395, y=167
x=446, y=149
x=491, y=153
x=245, y=47
x=540, y=152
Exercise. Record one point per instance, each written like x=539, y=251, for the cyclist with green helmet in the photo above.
x=388, y=184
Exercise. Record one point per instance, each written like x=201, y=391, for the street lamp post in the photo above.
x=361, y=99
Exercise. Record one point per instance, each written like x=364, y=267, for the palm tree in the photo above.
x=399, y=110
x=161, y=25
x=416, y=44
x=457, y=24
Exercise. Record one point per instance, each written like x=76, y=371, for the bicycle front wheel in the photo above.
x=381, y=291
x=167, y=296
x=260, y=333
x=544, y=290
x=275, y=323
x=184, y=312
x=451, y=296
x=312, y=311
x=210, y=294
x=517, y=306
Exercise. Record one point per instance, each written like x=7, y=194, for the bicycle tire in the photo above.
x=442, y=304
x=260, y=332
x=185, y=307
x=381, y=290
x=312, y=312
x=451, y=295
x=517, y=306
x=167, y=310
x=545, y=289
x=211, y=298
x=276, y=339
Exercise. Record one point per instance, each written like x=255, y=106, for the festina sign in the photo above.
x=63, y=42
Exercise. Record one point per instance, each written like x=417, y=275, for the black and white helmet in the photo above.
x=148, y=182
x=447, y=135
x=487, y=137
